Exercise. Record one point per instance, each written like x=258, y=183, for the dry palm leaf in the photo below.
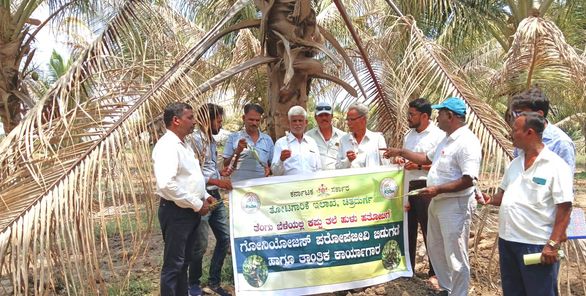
x=540, y=55
x=72, y=162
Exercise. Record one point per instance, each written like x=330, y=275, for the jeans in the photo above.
x=417, y=215
x=218, y=222
x=178, y=226
x=520, y=279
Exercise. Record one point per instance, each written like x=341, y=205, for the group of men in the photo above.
x=441, y=162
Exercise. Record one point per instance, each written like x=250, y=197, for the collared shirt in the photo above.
x=425, y=141
x=248, y=166
x=559, y=143
x=328, y=150
x=528, y=209
x=177, y=172
x=457, y=155
x=368, y=153
x=304, y=156
x=206, y=151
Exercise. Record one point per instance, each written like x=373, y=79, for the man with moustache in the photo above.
x=296, y=153
x=535, y=199
x=423, y=137
x=210, y=117
x=249, y=151
x=360, y=147
x=181, y=188
x=326, y=136
x=456, y=163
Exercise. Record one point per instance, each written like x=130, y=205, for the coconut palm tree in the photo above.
x=74, y=171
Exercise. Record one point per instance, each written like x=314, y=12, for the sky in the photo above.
x=46, y=41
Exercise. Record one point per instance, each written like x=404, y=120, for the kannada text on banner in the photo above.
x=319, y=232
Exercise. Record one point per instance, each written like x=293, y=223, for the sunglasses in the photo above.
x=516, y=113
x=322, y=108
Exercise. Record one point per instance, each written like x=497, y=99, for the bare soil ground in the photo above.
x=485, y=275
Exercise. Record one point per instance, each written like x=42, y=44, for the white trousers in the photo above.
x=448, y=230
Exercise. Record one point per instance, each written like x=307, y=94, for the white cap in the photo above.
x=323, y=107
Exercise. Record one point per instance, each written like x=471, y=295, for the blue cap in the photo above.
x=453, y=104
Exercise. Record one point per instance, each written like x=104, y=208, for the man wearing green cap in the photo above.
x=456, y=163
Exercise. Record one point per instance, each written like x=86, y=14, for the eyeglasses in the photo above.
x=516, y=113
x=354, y=119
x=322, y=108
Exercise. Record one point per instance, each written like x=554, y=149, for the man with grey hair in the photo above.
x=360, y=147
x=296, y=153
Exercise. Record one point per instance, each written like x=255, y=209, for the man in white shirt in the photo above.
x=296, y=153
x=326, y=136
x=181, y=187
x=456, y=163
x=423, y=137
x=360, y=147
x=535, y=199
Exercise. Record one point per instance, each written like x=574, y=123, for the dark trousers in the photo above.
x=520, y=279
x=417, y=216
x=178, y=226
x=218, y=222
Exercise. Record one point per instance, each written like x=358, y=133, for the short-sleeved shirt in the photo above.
x=559, y=143
x=368, y=151
x=528, y=209
x=425, y=141
x=209, y=153
x=328, y=150
x=304, y=156
x=457, y=155
x=248, y=166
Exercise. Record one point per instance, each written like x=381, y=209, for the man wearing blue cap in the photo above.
x=456, y=163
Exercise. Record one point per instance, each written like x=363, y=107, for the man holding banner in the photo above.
x=205, y=147
x=456, y=163
x=360, y=147
x=296, y=153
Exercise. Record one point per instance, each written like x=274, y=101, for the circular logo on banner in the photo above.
x=388, y=188
x=250, y=203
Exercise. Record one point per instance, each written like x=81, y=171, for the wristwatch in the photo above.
x=553, y=244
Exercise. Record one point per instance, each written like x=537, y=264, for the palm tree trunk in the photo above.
x=10, y=105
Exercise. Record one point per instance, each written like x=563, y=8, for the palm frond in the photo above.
x=73, y=169
x=540, y=55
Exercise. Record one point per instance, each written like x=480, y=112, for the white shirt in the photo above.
x=368, y=153
x=456, y=155
x=328, y=150
x=425, y=141
x=177, y=172
x=528, y=209
x=304, y=156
